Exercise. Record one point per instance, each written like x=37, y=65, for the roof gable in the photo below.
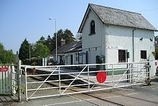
x=117, y=17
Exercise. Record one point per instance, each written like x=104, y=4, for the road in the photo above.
x=131, y=96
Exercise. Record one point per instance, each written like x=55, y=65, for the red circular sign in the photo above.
x=3, y=69
x=101, y=76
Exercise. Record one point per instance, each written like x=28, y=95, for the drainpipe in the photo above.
x=133, y=43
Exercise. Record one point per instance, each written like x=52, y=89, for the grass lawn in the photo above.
x=115, y=71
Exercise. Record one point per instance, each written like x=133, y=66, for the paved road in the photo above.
x=130, y=96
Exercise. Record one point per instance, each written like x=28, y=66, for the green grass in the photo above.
x=116, y=71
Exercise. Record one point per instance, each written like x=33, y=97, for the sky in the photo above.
x=20, y=19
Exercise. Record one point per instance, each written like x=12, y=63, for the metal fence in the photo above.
x=47, y=81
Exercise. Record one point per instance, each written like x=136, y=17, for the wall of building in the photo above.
x=93, y=44
x=120, y=38
x=71, y=58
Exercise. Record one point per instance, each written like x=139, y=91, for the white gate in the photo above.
x=10, y=77
x=47, y=81
x=7, y=79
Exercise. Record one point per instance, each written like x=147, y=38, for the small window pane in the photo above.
x=143, y=54
x=92, y=27
x=121, y=56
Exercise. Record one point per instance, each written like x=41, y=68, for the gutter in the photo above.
x=133, y=44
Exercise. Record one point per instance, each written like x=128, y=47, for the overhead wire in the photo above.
x=148, y=10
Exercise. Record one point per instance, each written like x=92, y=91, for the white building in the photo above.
x=116, y=35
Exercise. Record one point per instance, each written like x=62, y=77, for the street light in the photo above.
x=29, y=50
x=55, y=35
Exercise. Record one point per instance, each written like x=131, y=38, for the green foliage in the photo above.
x=24, y=51
x=6, y=56
x=40, y=50
x=156, y=48
x=49, y=43
x=67, y=35
x=28, y=53
x=156, y=53
x=41, y=40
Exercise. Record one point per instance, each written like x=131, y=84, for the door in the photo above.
x=71, y=59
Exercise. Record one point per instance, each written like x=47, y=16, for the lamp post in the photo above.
x=56, y=37
x=29, y=50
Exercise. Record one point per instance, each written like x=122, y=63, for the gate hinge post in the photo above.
x=148, y=80
x=19, y=80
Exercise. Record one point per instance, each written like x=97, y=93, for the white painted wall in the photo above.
x=93, y=43
x=121, y=38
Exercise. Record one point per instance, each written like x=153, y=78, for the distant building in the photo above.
x=68, y=54
x=115, y=35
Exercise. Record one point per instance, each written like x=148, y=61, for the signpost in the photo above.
x=101, y=76
x=3, y=69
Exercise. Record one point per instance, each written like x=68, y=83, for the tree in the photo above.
x=156, y=47
x=6, y=56
x=44, y=46
x=24, y=51
x=49, y=43
x=156, y=53
x=42, y=40
x=67, y=35
x=40, y=50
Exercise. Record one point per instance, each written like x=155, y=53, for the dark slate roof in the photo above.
x=118, y=17
x=68, y=48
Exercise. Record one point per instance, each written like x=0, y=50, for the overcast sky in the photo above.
x=20, y=19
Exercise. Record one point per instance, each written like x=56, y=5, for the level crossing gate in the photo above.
x=10, y=80
x=47, y=81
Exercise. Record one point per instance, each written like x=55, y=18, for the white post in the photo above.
x=26, y=95
x=19, y=81
x=56, y=41
x=55, y=38
x=43, y=63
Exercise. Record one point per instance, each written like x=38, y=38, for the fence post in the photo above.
x=26, y=95
x=88, y=80
x=128, y=72
x=59, y=81
x=131, y=72
x=19, y=80
x=148, y=66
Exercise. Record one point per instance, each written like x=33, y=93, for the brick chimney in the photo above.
x=62, y=42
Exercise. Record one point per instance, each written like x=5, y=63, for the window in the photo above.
x=143, y=54
x=76, y=57
x=121, y=55
x=92, y=27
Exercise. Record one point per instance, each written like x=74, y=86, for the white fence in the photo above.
x=7, y=79
x=10, y=80
x=47, y=81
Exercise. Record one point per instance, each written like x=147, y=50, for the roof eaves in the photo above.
x=84, y=19
x=132, y=27
x=96, y=13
